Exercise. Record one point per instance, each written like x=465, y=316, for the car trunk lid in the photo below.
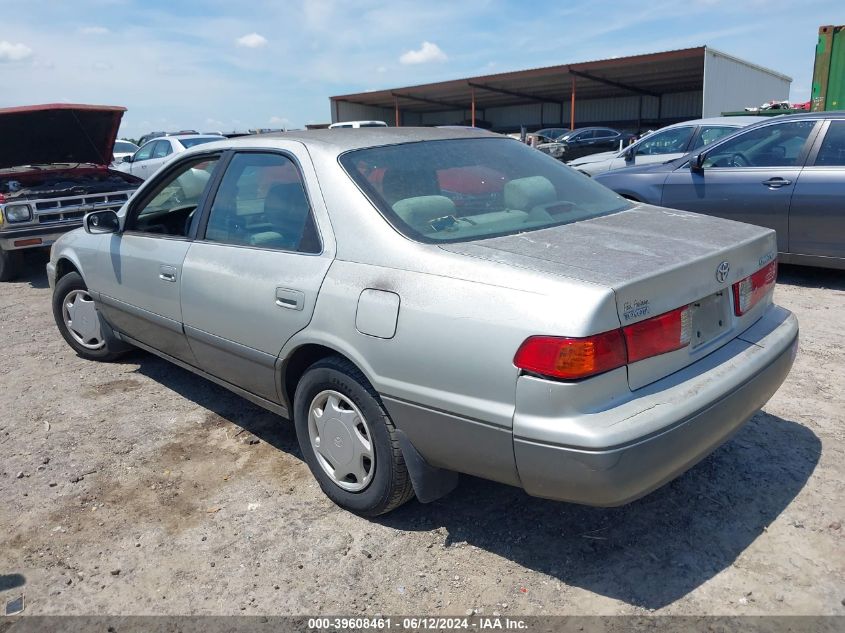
x=655, y=260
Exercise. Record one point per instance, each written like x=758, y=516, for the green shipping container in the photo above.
x=828, y=92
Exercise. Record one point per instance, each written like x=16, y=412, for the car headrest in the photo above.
x=421, y=210
x=527, y=193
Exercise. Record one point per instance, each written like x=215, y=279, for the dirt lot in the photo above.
x=138, y=488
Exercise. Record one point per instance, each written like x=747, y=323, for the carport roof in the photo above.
x=650, y=74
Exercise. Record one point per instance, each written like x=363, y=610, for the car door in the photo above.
x=817, y=213
x=579, y=145
x=161, y=154
x=605, y=141
x=140, y=268
x=749, y=177
x=251, y=281
x=140, y=160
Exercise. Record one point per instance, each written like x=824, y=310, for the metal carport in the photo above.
x=636, y=91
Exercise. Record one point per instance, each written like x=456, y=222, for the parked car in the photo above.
x=585, y=141
x=122, y=149
x=786, y=173
x=552, y=336
x=153, y=154
x=548, y=134
x=357, y=124
x=53, y=169
x=668, y=143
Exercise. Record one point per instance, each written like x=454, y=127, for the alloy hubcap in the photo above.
x=81, y=319
x=341, y=440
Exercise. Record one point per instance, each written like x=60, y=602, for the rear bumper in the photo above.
x=685, y=417
x=34, y=236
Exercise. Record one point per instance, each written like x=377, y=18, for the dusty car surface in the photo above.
x=786, y=173
x=542, y=332
x=53, y=169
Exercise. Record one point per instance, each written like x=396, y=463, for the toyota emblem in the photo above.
x=722, y=271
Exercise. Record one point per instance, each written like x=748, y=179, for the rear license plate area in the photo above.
x=710, y=317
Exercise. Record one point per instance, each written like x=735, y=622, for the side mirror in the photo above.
x=127, y=158
x=98, y=222
x=628, y=154
x=697, y=162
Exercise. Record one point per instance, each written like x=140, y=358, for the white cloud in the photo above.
x=428, y=52
x=252, y=40
x=279, y=120
x=94, y=30
x=10, y=52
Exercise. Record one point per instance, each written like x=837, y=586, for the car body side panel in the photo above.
x=82, y=250
x=817, y=213
x=234, y=318
x=139, y=278
x=439, y=317
x=735, y=194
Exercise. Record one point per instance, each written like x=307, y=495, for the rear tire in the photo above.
x=353, y=451
x=11, y=263
x=80, y=323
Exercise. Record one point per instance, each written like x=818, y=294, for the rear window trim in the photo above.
x=415, y=236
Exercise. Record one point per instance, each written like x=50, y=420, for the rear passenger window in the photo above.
x=832, y=151
x=261, y=202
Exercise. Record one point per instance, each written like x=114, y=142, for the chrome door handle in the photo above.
x=290, y=299
x=776, y=183
x=167, y=273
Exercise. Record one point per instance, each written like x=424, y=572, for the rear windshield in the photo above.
x=191, y=142
x=467, y=189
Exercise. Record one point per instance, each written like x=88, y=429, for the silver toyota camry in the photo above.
x=428, y=302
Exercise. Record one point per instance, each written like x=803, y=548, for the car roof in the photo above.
x=720, y=120
x=339, y=140
x=834, y=114
x=180, y=136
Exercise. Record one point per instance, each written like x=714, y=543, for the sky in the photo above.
x=227, y=65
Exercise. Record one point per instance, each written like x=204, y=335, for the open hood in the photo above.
x=58, y=133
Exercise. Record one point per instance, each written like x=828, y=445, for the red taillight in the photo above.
x=748, y=292
x=658, y=335
x=572, y=358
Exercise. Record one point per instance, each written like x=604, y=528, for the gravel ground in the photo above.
x=139, y=488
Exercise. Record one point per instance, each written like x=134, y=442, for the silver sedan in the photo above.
x=428, y=302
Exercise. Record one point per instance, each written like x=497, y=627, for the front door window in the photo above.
x=169, y=208
x=778, y=145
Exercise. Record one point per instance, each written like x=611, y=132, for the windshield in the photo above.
x=191, y=142
x=467, y=189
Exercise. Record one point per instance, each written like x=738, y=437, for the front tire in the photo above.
x=348, y=439
x=11, y=263
x=79, y=321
